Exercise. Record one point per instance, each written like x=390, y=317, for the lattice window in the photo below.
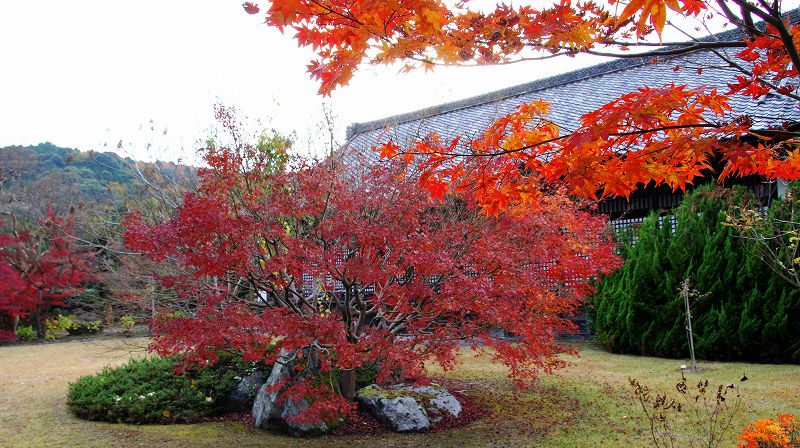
x=630, y=226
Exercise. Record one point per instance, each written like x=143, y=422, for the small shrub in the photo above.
x=54, y=327
x=26, y=333
x=783, y=432
x=698, y=415
x=149, y=391
x=81, y=328
x=126, y=323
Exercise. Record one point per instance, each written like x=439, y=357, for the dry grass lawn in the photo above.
x=585, y=405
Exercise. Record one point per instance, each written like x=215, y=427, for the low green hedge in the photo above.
x=149, y=391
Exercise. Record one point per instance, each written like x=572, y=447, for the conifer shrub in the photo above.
x=750, y=313
x=148, y=390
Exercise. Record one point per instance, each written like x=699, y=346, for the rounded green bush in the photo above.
x=148, y=390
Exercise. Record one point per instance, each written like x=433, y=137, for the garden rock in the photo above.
x=438, y=402
x=265, y=407
x=290, y=409
x=269, y=414
x=402, y=413
x=241, y=398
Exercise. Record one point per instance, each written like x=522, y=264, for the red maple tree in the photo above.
x=347, y=266
x=40, y=266
x=666, y=134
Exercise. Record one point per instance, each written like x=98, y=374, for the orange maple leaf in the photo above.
x=655, y=10
x=283, y=13
x=388, y=150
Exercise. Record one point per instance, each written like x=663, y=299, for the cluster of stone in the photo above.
x=403, y=408
x=408, y=408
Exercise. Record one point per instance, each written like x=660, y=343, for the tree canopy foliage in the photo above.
x=666, y=134
x=347, y=266
x=75, y=200
x=40, y=266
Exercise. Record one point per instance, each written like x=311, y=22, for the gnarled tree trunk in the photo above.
x=347, y=384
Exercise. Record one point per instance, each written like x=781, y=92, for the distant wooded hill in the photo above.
x=66, y=174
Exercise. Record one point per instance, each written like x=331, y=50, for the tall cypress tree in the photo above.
x=749, y=314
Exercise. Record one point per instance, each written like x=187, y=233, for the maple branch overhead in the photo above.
x=688, y=48
x=682, y=48
x=427, y=33
x=562, y=137
x=773, y=17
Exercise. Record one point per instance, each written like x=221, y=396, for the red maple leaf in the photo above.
x=251, y=8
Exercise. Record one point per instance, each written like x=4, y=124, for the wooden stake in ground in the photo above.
x=685, y=293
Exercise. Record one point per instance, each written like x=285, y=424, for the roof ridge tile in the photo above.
x=549, y=82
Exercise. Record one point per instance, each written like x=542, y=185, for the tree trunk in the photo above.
x=347, y=384
x=10, y=323
x=39, y=316
x=109, y=315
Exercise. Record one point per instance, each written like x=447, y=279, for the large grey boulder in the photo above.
x=270, y=414
x=266, y=407
x=291, y=408
x=241, y=398
x=397, y=409
x=437, y=401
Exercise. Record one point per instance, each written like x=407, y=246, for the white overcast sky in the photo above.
x=90, y=73
x=87, y=74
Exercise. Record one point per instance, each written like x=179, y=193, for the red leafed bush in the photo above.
x=348, y=266
x=40, y=266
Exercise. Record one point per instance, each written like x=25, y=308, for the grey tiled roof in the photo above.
x=572, y=95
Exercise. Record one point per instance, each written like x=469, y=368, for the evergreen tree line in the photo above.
x=749, y=314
